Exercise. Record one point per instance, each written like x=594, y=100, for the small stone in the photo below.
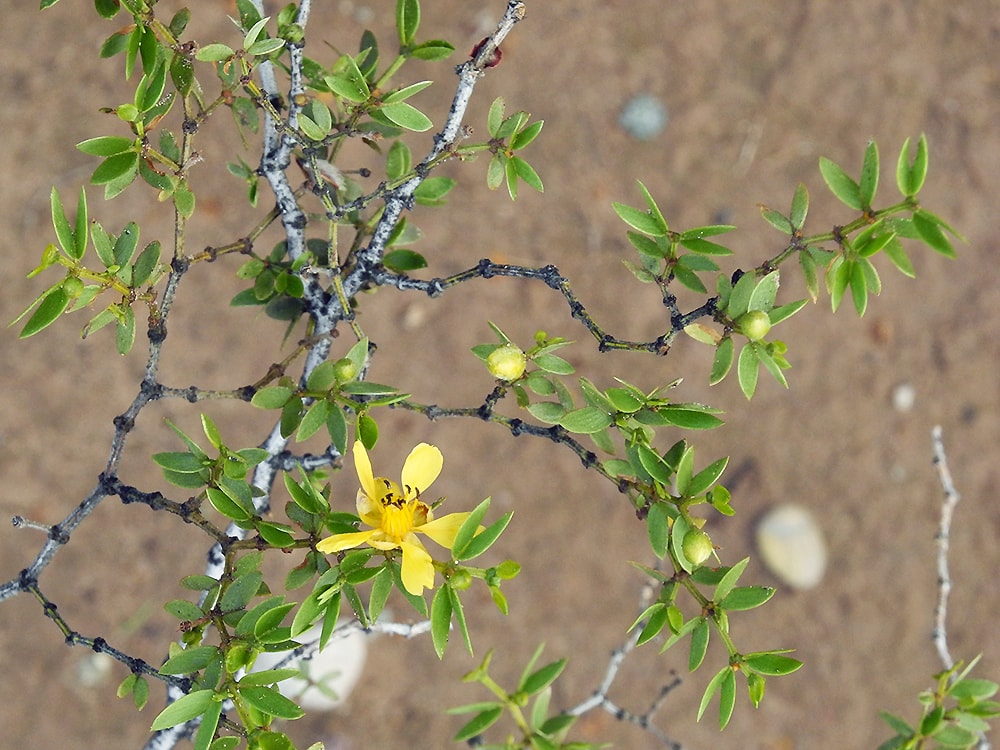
x=337, y=668
x=644, y=117
x=94, y=669
x=792, y=547
x=904, y=396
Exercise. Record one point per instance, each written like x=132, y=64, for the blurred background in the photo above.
x=753, y=95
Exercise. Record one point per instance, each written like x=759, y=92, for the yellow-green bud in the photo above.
x=507, y=362
x=72, y=286
x=344, y=370
x=697, y=546
x=460, y=580
x=754, y=324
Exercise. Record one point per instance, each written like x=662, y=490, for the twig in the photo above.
x=951, y=498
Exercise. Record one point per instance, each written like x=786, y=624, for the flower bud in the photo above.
x=507, y=362
x=460, y=580
x=697, y=546
x=72, y=287
x=344, y=370
x=754, y=324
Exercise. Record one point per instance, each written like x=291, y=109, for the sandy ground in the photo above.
x=756, y=93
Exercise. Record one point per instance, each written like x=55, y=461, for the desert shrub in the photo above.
x=347, y=228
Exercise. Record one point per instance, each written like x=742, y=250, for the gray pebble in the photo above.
x=644, y=117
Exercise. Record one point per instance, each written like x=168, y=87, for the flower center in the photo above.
x=397, y=511
x=402, y=511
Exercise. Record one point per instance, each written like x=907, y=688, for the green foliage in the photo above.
x=354, y=238
x=954, y=714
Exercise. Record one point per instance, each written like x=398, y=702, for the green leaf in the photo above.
x=724, y=354
x=656, y=620
x=762, y=297
x=859, y=288
x=929, y=229
x=705, y=247
x=800, y=207
x=705, y=478
x=713, y=686
x=401, y=261
x=315, y=417
x=747, y=369
x=527, y=135
x=727, y=698
x=146, y=263
x=699, y=644
x=910, y=176
x=214, y=53
x=209, y=723
x=441, y=611
x=270, y=701
x=586, y=420
x=772, y=664
x=64, y=233
x=729, y=579
x=777, y=220
x=739, y=299
x=485, y=538
x=311, y=128
x=179, y=461
x=241, y=591
x=253, y=34
x=150, y=88
x=527, y=173
x=541, y=678
x=183, y=609
x=869, y=176
x=272, y=397
x=407, y=20
x=397, y=161
x=336, y=425
x=479, y=723
x=778, y=314
x=554, y=364
x=433, y=49
x=495, y=172
x=348, y=80
x=640, y=220
x=495, y=117
x=431, y=192
x=843, y=187
x=468, y=528
x=657, y=527
x=653, y=463
x=117, y=167
x=183, y=709
x=52, y=306
x=406, y=116
x=105, y=145
x=367, y=430
x=746, y=597
x=190, y=660
x=688, y=416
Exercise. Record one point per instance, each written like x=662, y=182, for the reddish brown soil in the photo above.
x=756, y=93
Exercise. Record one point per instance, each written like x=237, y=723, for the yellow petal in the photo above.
x=443, y=530
x=369, y=510
x=339, y=542
x=364, y=468
x=421, y=468
x=418, y=570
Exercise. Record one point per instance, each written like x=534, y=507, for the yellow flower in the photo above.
x=397, y=514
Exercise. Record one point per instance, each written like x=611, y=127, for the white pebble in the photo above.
x=792, y=547
x=337, y=668
x=644, y=117
x=904, y=396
